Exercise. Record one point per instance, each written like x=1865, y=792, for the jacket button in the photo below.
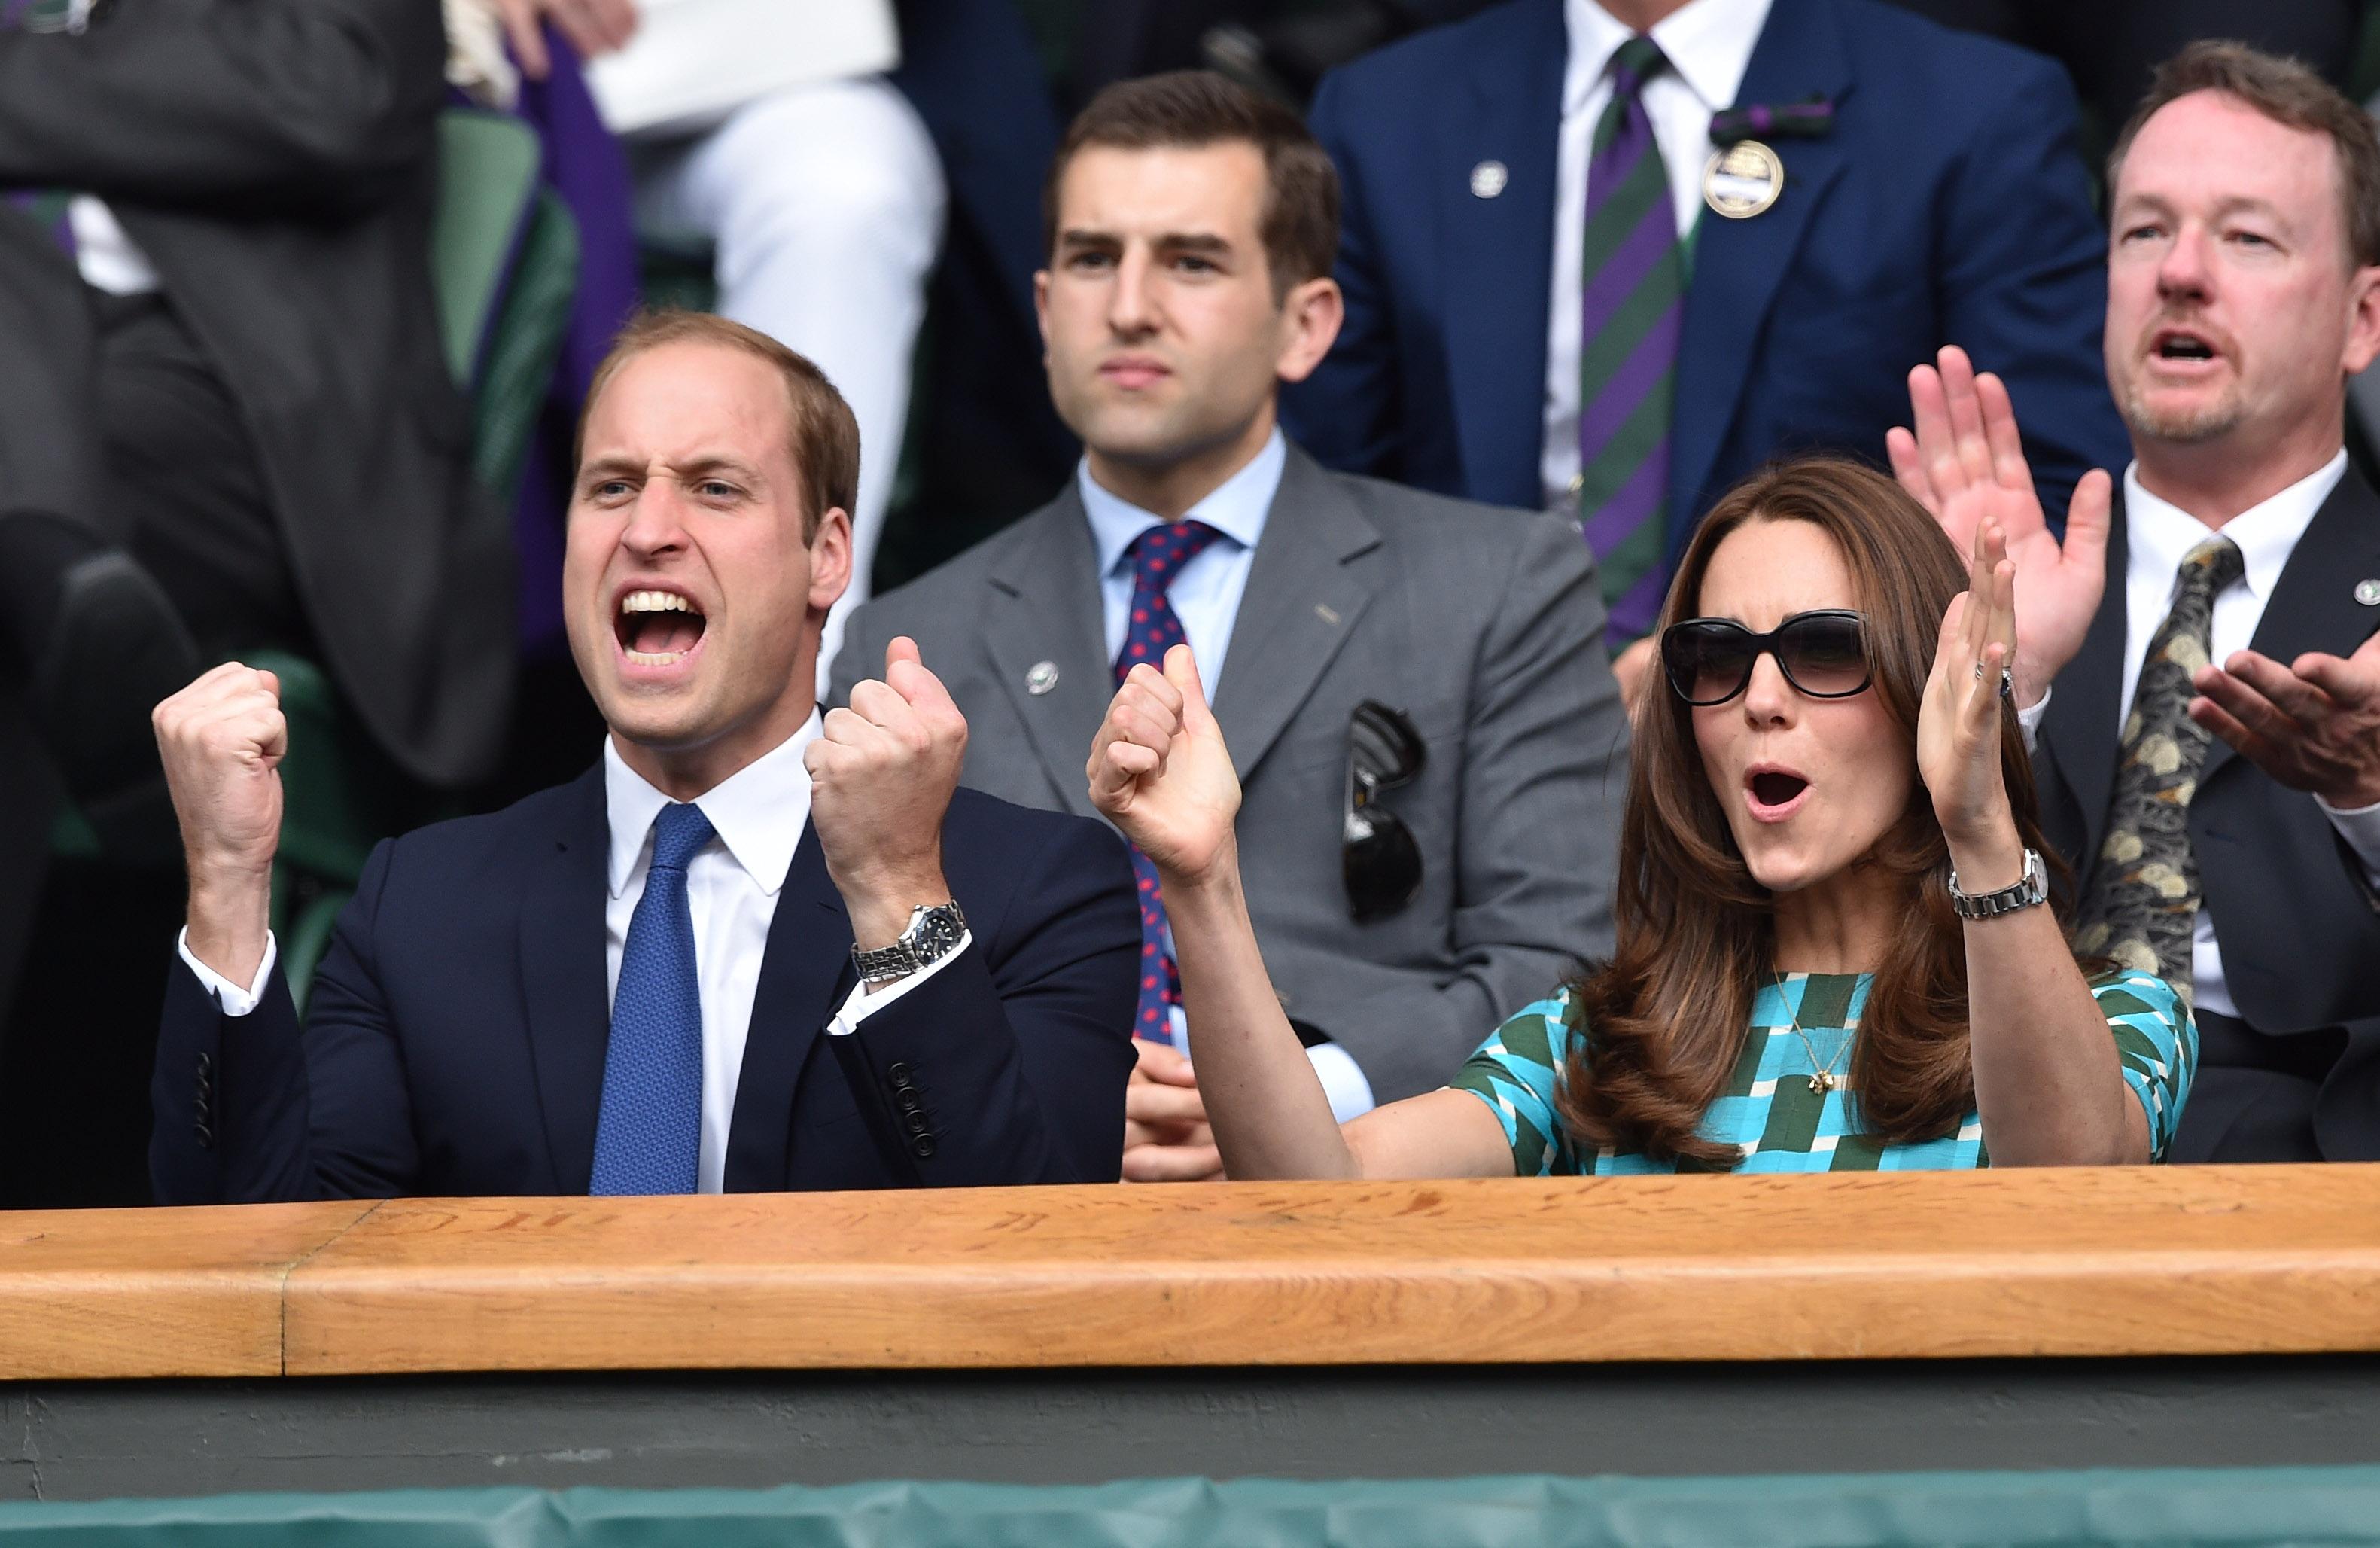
x=900, y=1074
x=922, y=1146
x=918, y=1123
x=205, y=1136
x=205, y=1064
x=908, y=1101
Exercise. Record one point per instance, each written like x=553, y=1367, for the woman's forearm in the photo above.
x=2048, y=1080
x=1266, y=1107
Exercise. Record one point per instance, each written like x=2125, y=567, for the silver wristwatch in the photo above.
x=2031, y=888
x=933, y=934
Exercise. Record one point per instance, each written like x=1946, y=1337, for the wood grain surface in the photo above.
x=152, y=1292
x=2114, y=1262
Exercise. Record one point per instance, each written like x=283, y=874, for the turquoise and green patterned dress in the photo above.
x=1768, y=1106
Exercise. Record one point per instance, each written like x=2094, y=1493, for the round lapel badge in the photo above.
x=1488, y=179
x=1041, y=677
x=1743, y=179
x=2368, y=592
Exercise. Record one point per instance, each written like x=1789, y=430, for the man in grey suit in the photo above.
x=1385, y=663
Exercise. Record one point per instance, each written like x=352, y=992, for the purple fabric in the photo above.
x=585, y=167
x=1151, y=630
x=1615, y=520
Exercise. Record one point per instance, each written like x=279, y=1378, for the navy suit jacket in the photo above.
x=455, y=1034
x=1946, y=206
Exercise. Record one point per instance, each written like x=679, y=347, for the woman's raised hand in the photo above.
x=1159, y=770
x=1959, y=726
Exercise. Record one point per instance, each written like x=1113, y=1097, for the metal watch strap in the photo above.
x=933, y=934
x=2029, y=889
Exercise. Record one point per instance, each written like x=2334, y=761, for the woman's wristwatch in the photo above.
x=933, y=934
x=2031, y=888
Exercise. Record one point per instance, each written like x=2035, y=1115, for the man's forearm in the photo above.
x=231, y=914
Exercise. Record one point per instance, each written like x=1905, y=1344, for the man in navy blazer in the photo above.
x=1931, y=192
x=750, y=950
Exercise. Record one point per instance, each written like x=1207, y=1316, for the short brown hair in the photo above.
x=2290, y=94
x=826, y=436
x=1191, y=109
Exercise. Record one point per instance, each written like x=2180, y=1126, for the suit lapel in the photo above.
x=1303, y=600
x=561, y=944
x=2312, y=607
x=1498, y=274
x=1046, y=613
x=805, y=966
x=2086, y=713
x=1737, y=264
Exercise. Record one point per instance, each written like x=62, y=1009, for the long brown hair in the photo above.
x=1668, y=1016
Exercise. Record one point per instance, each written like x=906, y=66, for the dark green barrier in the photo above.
x=2311, y=1505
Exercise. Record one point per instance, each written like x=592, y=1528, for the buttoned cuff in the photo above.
x=2029, y=720
x=2361, y=828
x=1342, y=1080
x=859, y=1005
x=229, y=996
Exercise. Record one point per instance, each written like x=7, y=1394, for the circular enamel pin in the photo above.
x=1041, y=677
x=2368, y=592
x=1743, y=179
x=1488, y=179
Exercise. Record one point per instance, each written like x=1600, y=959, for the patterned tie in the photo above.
x=1152, y=629
x=1633, y=280
x=2144, y=901
x=648, y=1134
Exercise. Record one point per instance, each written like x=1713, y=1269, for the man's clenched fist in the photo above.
x=881, y=779
x=222, y=739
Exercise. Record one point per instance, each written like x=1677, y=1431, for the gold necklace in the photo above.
x=1824, y=1081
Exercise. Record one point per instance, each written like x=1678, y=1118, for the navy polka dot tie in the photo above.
x=1152, y=629
x=648, y=1135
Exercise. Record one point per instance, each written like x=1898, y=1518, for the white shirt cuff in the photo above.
x=234, y=1000
x=1342, y=1080
x=2029, y=720
x=2361, y=828
x=859, y=1005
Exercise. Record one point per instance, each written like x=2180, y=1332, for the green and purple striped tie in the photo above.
x=1633, y=282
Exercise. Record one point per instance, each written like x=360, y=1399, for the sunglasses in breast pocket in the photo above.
x=1378, y=860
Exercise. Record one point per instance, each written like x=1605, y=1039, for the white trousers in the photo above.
x=825, y=204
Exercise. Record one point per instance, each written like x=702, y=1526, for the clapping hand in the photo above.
x=2313, y=725
x=1159, y=769
x=1959, y=726
x=592, y=27
x=1966, y=464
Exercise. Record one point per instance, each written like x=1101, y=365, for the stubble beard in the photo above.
x=2192, y=426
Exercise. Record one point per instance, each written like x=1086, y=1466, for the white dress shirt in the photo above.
x=1709, y=44
x=1206, y=596
x=757, y=815
x=2157, y=535
x=108, y=258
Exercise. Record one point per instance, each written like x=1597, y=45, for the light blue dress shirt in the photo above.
x=1205, y=597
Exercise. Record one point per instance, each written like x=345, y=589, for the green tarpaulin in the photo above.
x=2313, y=1505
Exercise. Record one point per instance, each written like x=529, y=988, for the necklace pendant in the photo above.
x=1822, y=1083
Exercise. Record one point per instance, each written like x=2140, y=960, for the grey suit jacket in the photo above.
x=1483, y=625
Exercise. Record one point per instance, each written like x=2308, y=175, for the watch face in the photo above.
x=937, y=933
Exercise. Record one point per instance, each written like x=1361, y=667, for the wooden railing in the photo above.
x=2115, y=1261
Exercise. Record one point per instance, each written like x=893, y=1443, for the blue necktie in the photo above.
x=1152, y=629
x=648, y=1135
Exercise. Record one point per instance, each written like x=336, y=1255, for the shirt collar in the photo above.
x=1238, y=507
x=758, y=811
x=2160, y=533
x=1709, y=43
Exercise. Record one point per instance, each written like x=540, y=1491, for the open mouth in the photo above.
x=1775, y=794
x=2180, y=343
x=657, y=627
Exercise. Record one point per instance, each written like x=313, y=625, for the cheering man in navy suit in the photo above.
x=1632, y=249
x=749, y=949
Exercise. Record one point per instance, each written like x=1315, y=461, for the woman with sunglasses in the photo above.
x=1835, y=948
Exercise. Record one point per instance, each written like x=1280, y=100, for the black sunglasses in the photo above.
x=1379, y=859
x=1823, y=653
